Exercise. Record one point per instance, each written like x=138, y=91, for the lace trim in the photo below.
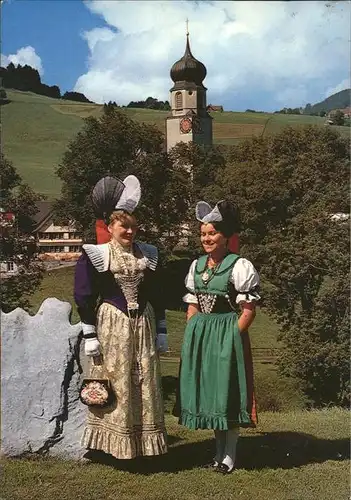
x=98, y=255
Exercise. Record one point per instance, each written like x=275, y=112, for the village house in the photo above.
x=212, y=108
x=346, y=112
x=55, y=243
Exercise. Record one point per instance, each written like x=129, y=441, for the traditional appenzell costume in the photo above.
x=216, y=377
x=119, y=302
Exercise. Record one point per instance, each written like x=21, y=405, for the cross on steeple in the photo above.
x=187, y=27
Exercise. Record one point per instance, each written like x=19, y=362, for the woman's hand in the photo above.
x=192, y=309
x=247, y=315
x=92, y=347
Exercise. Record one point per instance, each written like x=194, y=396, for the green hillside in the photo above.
x=340, y=100
x=37, y=129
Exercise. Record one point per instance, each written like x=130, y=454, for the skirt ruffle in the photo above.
x=128, y=445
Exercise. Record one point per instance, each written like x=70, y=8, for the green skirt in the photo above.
x=216, y=376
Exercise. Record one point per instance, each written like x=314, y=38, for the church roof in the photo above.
x=188, y=69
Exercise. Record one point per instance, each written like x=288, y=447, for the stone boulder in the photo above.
x=41, y=375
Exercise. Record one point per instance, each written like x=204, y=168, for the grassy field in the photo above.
x=290, y=456
x=37, y=129
x=293, y=454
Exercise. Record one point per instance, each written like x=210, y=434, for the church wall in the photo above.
x=173, y=133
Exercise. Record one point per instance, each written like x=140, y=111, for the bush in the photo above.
x=275, y=392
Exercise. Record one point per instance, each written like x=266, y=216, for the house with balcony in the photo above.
x=55, y=242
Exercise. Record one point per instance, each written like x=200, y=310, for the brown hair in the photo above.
x=123, y=217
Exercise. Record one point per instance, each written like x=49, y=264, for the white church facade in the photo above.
x=189, y=120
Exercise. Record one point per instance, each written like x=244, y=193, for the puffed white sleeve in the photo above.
x=246, y=281
x=190, y=297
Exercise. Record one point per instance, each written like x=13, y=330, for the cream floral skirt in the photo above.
x=134, y=424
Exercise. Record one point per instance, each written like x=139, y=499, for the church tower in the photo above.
x=190, y=121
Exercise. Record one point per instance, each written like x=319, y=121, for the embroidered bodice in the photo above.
x=128, y=271
x=234, y=281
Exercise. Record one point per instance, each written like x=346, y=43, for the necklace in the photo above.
x=209, y=272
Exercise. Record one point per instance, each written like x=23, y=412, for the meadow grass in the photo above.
x=298, y=455
x=293, y=454
x=36, y=131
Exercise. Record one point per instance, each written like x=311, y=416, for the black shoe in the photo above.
x=224, y=469
x=212, y=465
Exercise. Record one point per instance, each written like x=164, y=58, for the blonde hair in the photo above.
x=123, y=218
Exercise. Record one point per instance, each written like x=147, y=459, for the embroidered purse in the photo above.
x=96, y=392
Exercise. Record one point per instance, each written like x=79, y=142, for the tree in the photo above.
x=114, y=144
x=75, y=96
x=50, y=91
x=287, y=186
x=308, y=109
x=205, y=163
x=338, y=117
x=17, y=244
x=322, y=113
x=150, y=103
x=3, y=95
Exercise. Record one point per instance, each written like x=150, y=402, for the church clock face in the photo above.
x=185, y=125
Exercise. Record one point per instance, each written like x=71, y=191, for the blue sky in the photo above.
x=260, y=55
x=53, y=29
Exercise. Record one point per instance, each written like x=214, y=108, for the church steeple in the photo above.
x=188, y=69
x=190, y=121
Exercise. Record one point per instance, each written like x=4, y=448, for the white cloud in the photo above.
x=344, y=84
x=288, y=49
x=25, y=55
x=292, y=95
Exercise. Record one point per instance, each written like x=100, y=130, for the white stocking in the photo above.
x=230, y=447
x=220, y=445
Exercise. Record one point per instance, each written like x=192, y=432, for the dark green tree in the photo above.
x=308, y=109
x=17, y=243
x=203, y=165
x=75, y=96
x=338, y=117
x=3, y=96
x=287, y=187
x=114, y=144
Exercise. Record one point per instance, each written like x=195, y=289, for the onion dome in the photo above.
x=188, y=69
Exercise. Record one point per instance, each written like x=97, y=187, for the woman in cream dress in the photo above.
x=123, y=320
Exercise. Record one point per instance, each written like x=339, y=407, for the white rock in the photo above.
x=40, y=380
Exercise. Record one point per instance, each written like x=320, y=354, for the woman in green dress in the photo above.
x=216, y=378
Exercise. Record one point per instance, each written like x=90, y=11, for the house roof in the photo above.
x=214, y=106
x=45, y=209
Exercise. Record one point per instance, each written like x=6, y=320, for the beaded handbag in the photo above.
x=96, y=392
